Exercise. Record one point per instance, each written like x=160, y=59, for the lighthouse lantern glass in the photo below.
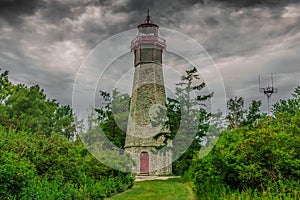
x=147, y=31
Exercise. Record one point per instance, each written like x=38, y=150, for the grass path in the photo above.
x=171, y=189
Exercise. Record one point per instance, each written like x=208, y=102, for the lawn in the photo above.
x=171, y=189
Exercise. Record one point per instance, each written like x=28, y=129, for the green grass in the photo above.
x=171, y=189
x=214, y=192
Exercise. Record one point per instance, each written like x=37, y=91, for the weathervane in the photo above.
x=268, y=91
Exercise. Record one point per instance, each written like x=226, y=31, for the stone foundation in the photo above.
x=160, y=161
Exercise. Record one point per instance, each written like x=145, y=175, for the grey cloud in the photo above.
x=227, y=29
x=252, y=3
x=55, y=11
x=12, y=11
x=241, y=35
x=211, y=21
x=57, y=85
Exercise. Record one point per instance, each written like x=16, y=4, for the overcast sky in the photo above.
x=45, y=41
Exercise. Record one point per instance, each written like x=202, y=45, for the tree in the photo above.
x=187, y=119
x=27, y=108
x=35, y=166
x=253, y=112
x=5, y=86
x=113, y=116
x=290, y=106
x=264, y=157
x=64, y=121
x=236, y=113
x=37, y=158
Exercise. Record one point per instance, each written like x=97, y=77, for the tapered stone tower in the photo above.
x=147, y=106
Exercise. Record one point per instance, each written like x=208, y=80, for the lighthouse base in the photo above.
x=151, y=161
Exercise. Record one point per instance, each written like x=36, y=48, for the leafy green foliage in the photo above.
x=5, y=86
x=288, y=107
x=260, y=156
x=187, y=119
x=253, y=113
x=15, y=173
x=25, y=108
x=113, y=116
x=238, y=117
x=35, y=166
x=236, y=113
x=37, y=158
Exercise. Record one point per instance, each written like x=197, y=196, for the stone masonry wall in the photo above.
x=144, y=122
x=160, y=162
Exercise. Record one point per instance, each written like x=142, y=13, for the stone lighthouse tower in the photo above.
x=147, y=106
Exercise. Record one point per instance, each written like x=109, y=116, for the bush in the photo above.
x=38, y=159
x=15, y=173
x=36, y=166
x=261, y=158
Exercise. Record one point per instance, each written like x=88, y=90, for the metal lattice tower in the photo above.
x=268, y=91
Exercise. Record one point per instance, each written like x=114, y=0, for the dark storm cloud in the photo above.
x=230, y=32
x=169, y=5
x=211, y=21
x=57, y=35
x=162, y=12
x=55, y=11
x=252, y=3
x=12, y=11
x=137, y=5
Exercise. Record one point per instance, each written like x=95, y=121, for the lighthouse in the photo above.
x=147, y=115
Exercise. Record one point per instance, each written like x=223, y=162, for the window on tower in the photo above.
x=145, y=55
x=157, y=55
x=145, y=31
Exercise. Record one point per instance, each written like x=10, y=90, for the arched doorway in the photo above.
x=144, y=163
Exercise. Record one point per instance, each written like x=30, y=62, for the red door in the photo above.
x=144, y=163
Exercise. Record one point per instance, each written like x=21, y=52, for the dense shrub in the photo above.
x=39, y=159
x=24, y=108
x=243, y=158
x=35, y=166
x=15, y=173
x=262, y=156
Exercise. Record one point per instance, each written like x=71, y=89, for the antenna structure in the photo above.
x=148, y=19
x=268, y=91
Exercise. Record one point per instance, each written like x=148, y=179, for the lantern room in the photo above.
x=148, y=46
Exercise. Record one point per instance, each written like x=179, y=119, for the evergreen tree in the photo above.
x=187, y=119
x=28, y=109
x=253, y=112
x=235, y=112
x=290, y=106
x=113, y=116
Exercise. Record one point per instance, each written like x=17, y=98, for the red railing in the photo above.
x=148, y=39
